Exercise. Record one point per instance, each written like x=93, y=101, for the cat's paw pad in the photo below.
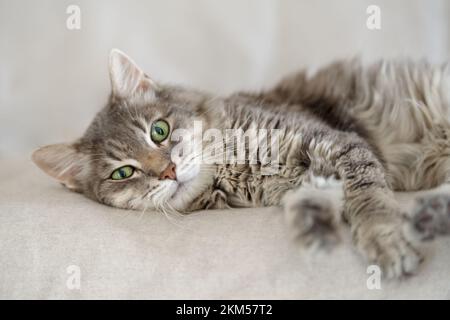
x=312, y=223
x=431, y=216
x=395, y=255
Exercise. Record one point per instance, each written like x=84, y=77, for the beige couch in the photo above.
x=48, y=235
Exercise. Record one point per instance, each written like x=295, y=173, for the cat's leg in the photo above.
x=312, y=212
x=375, y=218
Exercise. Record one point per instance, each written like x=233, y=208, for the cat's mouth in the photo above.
x=190, y=182
x=181, y=186
x=181, y=189
x=175, y=188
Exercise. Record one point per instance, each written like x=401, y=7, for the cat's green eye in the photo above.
x=122, y=173
x=160, y=131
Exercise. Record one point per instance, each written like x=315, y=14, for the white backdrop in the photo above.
x=53, y=80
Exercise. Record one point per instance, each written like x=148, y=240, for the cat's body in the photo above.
x=376, y=129
x=400, y=109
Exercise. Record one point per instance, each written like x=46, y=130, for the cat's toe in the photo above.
x=392, y=252
x=312, y=223
x=400, y=261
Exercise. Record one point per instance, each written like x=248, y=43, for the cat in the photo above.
x=364, y=131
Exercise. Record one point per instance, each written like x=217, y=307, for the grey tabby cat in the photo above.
x=375, y=129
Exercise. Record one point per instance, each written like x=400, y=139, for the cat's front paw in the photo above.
x=431, y=216
x=384, y=245
x=312, y=222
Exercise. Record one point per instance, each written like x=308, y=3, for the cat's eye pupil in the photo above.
x=122, y=173
x=159, y=130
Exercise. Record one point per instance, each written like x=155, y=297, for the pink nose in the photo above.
x=168, y=173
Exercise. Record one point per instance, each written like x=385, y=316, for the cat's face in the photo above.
x=126, y=157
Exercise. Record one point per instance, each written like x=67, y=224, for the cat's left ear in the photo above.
x=64, y=163
x=127, y=79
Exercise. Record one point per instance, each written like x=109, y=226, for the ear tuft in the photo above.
x=62, y=162
x=127, y=78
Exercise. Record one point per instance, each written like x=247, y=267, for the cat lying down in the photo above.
x=367, y=131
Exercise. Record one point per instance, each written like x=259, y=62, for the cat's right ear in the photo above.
x=63, y=163
x=127, y=79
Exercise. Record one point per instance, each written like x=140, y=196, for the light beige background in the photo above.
x=53, y=80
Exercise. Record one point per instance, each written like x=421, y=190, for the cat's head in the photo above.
x=125, y=157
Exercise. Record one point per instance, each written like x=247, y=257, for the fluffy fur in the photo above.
x=376, y=129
